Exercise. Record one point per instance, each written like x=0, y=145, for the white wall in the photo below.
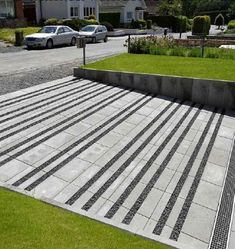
x=130, y=7
x=61, y=8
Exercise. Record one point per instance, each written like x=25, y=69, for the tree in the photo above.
x=170, y=7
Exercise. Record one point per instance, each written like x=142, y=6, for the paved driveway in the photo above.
x=151, y=165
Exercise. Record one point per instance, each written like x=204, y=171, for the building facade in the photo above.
x=63, y=9
x=11, y=8
x=129, y=9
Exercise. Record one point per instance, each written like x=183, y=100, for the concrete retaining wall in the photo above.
x=208, y=92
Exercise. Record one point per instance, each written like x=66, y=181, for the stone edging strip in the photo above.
x=217, y=93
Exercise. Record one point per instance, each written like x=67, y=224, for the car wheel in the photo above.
x=49, y=44
x=94, y=40
x=29, y=47
x=106, y=39
x=73, y=41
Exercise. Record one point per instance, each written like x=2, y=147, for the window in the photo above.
x=7, y=8
x=74, y=11
x=129, y=15
x=89, y=11
x=71, y=11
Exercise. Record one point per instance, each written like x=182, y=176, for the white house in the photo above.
x=129, y=9
x=60, y=9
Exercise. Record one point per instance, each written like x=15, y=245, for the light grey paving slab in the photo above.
x=199, y=222
x=49, y=188
x=214, y=174
x=219, y=157
x=72, y=170
x=124, y=128
x=36, y=154
x=208, y=195
x=11, y=169
x=150, y=203
x=175, y=161
x=58, y=140
x=231, y=244
x=110, y=139
x=93, y=153
x=192, y=241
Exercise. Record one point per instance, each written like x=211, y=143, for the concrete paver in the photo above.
x=126, y=160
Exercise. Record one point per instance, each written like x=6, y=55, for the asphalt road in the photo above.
x=24, y=68
x=28, y=60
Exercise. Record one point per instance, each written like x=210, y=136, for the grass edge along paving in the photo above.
x=205, y=68
x=29, y=223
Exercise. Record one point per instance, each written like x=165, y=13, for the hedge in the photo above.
x=172, y=22
x=75, y=24
x=113, y=18
x=201, y=25
x=219, y=20
x=231, y=24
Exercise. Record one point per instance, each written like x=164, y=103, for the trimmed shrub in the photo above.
x=113, y=18
x=219, y=20
x=231, y=24
x=149, y=23
x=138, y=24
x=201, y=25
x=181, y=24
x=83, y=23
x=91, y=17
x=108, y=25
x=52, y=21
x=72, y=23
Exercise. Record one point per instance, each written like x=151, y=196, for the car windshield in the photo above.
x=47, y=30
x=88, y=28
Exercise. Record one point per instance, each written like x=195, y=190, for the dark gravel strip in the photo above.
x=70, y=91
x=223, y=228
x=33, y=172
x=171, y=202
x=85, y=147
x=58, y=131
x=142, y=197
x=47, y=117
x=118, y=172
x=90, y=182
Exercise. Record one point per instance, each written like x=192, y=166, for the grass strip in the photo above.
x=205, y=68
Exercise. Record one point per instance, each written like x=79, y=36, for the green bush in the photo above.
x=52, y=21
x=113, y=18
x=108, y=25
x=72, y=23
x=149, y=23
x=181, y=24
x=219, y=20
x=91, y=17
x=137, y=24
x=201, y=25
x=231, y=24
x=84, y=23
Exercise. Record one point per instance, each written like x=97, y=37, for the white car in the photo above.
x=94, y=33
x=50, y=36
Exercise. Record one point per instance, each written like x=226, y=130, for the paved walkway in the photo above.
x=151, y=165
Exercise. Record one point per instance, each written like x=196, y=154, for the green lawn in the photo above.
x=222, y=69
x=8, y=35
x=26, y=223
